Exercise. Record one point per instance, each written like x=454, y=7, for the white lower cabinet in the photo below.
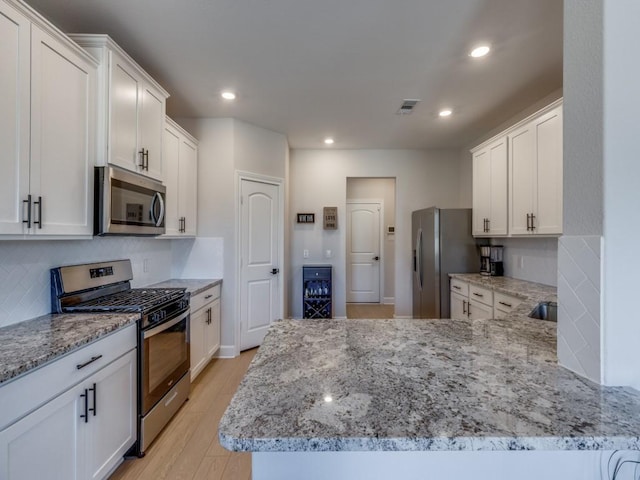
x=205, y=328
x=458, y=305
x=83, y=432
x=504, y=304
x=478, y=310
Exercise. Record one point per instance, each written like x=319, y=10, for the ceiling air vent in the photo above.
x=407, y=106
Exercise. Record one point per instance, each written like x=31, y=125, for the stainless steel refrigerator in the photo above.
x=443, y=244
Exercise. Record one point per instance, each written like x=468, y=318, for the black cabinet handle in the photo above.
x=85, y=395
x=141, y=164
x=28, y=202
x=464, y=307
x=94, y=409
x=505, y=304
x=456, y=287
x=146, y=160
x=274, y=271
x=88, y=362
x=39, y=221
x=478, y=294
x=533, y=225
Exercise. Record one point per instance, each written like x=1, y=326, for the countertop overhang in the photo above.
x=422, y=385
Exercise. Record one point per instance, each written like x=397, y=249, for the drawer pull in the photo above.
x=506, y=304
x=207, y=297
x=456, y=287
x=80, y=366
x=85, y=415
x=478, y=294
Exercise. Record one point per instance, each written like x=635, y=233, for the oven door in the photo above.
x=128, y=204
x=164, y=358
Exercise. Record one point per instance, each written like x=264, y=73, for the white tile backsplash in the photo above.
x=538, y=257
x=579, y=305
x=24, y=268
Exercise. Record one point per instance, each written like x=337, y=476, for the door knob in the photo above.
x=275, y=270
x=376, y=258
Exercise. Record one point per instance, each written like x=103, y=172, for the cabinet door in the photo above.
x=188, y=187
x=548, y=194
x=498, y=211
x=151, y=128
x=44, y=444
x=124, y=100
x=196, y=335
x=14, y=118
x=458, y=305
x=170, y=162
x=522, y=163
x=481, y=191
x=212, y=336
x=62, y=137
x=112, y=421
x=479, y=310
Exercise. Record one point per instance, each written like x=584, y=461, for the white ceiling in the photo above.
x=314, y=68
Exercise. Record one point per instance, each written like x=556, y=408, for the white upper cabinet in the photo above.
x=535, y=186
x=131, y=110
x=490, y=188
x=525, y=198
x=180, y=162
x=47, y=128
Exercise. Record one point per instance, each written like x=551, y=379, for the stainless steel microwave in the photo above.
x=127, y=203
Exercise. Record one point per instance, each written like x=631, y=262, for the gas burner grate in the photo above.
x=133, y=300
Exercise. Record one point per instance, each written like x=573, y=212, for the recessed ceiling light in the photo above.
x=480, y=51
x=328, y=141
x=227, y=95
x=445, y=113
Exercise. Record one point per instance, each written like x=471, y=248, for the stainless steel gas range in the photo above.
x=163, y=333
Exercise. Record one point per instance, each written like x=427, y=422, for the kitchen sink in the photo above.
x=545, y=311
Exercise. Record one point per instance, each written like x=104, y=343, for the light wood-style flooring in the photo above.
x=188, y=448
x=369, y=310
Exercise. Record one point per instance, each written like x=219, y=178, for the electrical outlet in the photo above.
x=521, y=262
x=305, y=253
x=145, y=265
x=327, y=253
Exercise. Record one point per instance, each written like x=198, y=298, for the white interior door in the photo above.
x=363, y=252
x=260, y=227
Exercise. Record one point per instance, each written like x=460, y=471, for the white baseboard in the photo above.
x=403, y=316
x=226, y=351
x=389, y=300
x=341, y=318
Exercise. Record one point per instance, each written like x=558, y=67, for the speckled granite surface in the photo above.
x=27, y=345
x=422, y=385
x=193, y=286
x=531, y=293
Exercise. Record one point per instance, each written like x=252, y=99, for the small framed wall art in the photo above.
x=306, y=217
x=330, y=218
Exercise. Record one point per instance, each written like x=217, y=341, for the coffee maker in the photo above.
x=491, y=260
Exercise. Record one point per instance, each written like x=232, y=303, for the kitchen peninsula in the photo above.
x=456, y=398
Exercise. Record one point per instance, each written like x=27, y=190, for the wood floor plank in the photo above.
x=211, y=468
x=238, y=467
x=370, y=310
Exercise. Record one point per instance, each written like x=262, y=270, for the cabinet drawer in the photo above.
x=460, y=287
x=26, y=393
x=481, y=295
x=505, y=303
x=203, y=298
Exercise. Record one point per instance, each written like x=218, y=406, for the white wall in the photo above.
x=318, y=178
x=24, y=268
x=228, y=146
x=380, y=189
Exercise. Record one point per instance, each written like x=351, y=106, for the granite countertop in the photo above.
x=531, y=293
x=422, y=385
x=193, y=286
x=31, y=344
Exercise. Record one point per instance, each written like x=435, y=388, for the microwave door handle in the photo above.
x=157, y=197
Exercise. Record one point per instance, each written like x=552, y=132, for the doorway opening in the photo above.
x=370, y=246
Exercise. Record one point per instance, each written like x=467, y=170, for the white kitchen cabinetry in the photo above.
x=535, y=183
x=504, y=304
x=480, y=303
x=131, y=109
x=490, y=189
x=180, y=162
x=85, y=416
x=205, y=328
x=47, y=128
x=459, y=305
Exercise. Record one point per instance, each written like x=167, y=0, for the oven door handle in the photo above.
x=163, y=326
